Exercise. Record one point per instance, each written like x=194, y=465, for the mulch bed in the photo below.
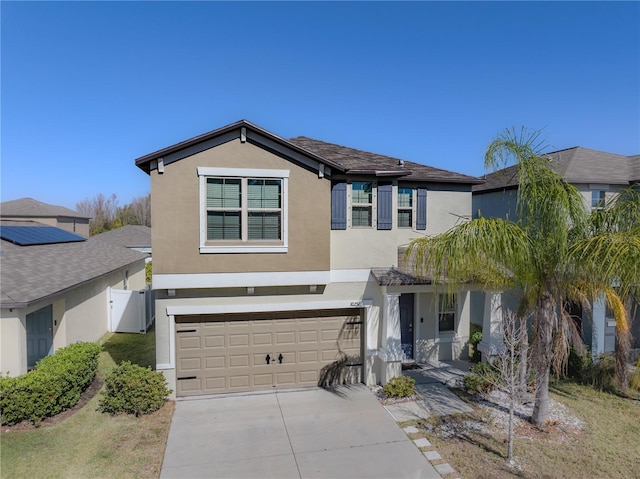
x=85, y=397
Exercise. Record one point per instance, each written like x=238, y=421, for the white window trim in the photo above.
x=204, y=172
x=411, y=208
x=373, y=204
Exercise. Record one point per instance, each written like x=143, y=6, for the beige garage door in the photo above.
x=250, y=352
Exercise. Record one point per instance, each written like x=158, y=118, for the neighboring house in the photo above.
x=276, y=262
x=598, y=176
x=55, y=290
x=136, y=237
x=33, y=210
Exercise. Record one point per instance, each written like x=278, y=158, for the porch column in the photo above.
x=491, y=342
x=599, y=320
x=390, y=342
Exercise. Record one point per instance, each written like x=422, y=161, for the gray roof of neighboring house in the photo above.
x=576, y=165
x=28, y=207
x=31, y=273
x=129, y=236
x=363, y=162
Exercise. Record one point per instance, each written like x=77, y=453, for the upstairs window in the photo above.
x=361, y=203
x=243, y=213
x=405, y=207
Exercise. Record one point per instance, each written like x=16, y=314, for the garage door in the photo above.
x=258, y=351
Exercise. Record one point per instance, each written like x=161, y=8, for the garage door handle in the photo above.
x=268, y=358
x=280, y=358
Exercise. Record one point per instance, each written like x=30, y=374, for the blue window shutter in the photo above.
x=385, y=213
x=421, y=209
x=339, y=206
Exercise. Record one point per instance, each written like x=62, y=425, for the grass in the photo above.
x=90, y=444
x=606, y=447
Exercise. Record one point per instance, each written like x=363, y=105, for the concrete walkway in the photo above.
x=432, y=383
x=298, y=434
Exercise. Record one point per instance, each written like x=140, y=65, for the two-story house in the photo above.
x=276, y=262
x=598, y=176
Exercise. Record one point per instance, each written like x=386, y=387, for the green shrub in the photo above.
x=578, y=364
x=133, y=389
x=399, y=387
x=482, y=378
x=53, y=386
x=601, y=374
x=475, y=355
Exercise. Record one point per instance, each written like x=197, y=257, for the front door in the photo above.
x=39, y=335
x=406, y=324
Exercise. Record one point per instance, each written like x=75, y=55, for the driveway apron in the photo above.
x=307, y=433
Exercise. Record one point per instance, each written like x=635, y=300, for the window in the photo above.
x=405, y=207
x=244, y=210
x=597, y=198
x=447, y=305
x=361, y=203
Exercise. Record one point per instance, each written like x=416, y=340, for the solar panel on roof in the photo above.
x=34, y=235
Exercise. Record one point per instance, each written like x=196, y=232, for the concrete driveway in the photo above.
x=290, y=434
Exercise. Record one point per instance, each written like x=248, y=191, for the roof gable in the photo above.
x=28, y=207
x=243, y=130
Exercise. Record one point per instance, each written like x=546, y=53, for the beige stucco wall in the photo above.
x=358, y=248
x=81, y=314
x=176, y=214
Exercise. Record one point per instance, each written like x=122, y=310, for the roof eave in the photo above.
x=144, y=162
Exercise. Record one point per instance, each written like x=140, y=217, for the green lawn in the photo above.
x=90, y=444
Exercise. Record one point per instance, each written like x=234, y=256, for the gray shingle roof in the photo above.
x=576, y=165
x=354, y=161
x=28, y=207
x=31, y=273
x=129, y=236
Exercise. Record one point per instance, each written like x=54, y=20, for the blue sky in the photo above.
x=87, y=87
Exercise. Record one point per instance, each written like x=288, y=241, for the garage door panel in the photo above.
x=214, y=341
x=239, y=361
x=285, y=338
x=214, y=362
x=308, y=357
x=189, y=342
x=190, y=364
x=284, y=379
x=238, y=340
x=236, y=382
x=188, y=386
x=262, y=338
x=308, y=336
x=309, y=345
x=215, y=385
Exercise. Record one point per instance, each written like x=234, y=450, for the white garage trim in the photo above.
x=172, y=311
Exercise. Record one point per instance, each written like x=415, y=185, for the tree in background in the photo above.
x=555, y=254
x=106, y=214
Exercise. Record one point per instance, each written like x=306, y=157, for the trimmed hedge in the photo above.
x=53, y=386
x=133, y=389
x=399, y=387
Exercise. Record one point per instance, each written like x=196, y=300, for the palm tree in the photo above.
x=555, y=254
